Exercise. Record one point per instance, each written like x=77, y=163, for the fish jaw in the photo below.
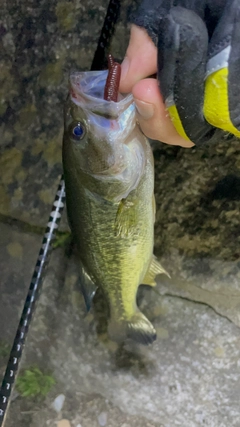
x=109, y=125
x=87, y=89
x=112, y=152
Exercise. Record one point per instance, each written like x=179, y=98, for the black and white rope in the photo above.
x=32, y=296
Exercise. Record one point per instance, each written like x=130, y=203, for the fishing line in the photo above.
x=50, y=233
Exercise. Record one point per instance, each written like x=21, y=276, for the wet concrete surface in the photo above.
x=190, y=376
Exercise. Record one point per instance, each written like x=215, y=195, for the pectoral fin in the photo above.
x=155, y=268
x=88, y=288
x=126, y=218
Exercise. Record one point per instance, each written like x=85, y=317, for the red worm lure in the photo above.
x=113, y=80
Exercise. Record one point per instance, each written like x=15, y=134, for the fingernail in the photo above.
x=124, y=67
x=145, y=109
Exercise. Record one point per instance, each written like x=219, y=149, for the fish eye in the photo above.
x=77, y=131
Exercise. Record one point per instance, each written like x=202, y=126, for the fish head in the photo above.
x=96, y=131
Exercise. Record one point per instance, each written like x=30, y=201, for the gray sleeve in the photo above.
x=151, y=13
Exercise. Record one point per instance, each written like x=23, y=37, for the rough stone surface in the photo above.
x=191, y=375
x=40, y=43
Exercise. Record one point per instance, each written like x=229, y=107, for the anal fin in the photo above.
x=154, y=269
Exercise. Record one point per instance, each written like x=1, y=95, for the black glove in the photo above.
x=198, y=63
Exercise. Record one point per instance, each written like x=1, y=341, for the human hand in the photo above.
x=181, y=61
x=139, y=63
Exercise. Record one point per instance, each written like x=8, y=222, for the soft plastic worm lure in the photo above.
x=113, y=80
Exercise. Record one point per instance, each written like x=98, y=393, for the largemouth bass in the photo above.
x=109, y=177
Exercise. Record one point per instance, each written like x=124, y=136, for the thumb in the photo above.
x=140, y=60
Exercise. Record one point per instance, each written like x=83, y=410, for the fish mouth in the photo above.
x=87, y=91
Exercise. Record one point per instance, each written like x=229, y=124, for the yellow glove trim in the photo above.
x=177, y=121
x=216, y=108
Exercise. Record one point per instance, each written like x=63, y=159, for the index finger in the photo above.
x=140, y=60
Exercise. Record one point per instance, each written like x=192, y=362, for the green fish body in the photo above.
x=109, y=177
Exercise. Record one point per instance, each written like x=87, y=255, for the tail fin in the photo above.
x=138, y=328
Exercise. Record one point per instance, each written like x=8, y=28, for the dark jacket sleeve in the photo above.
x=151, y=13
x=149, y=16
